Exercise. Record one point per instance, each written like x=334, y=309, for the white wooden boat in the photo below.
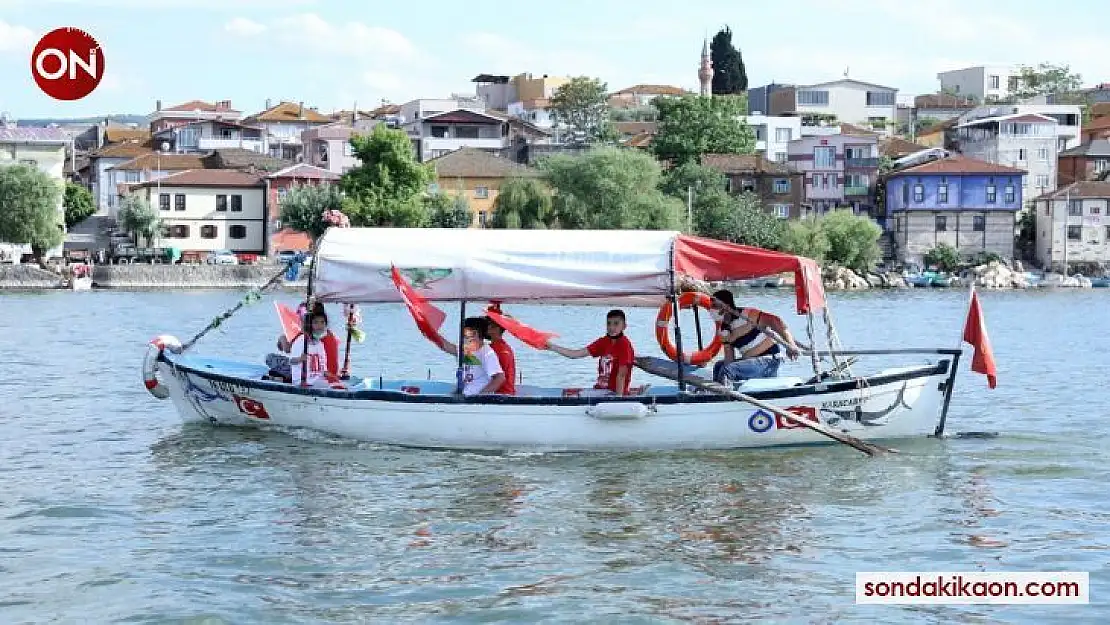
x=352, y=266
x=83, y=283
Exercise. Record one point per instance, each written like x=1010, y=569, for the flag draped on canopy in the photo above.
x=428, y=318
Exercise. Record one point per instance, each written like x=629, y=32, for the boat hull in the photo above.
x=902, y=403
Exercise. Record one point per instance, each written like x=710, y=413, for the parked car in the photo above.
x=221, y=257
x=286, y=256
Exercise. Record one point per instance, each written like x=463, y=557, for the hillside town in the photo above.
x=988, y=165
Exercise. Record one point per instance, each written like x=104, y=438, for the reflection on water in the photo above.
x=116, y=512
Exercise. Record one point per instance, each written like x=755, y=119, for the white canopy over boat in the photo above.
x=353, y=264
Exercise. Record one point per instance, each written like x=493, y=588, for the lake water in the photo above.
x=111, y=510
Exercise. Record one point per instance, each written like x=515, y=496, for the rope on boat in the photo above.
x=252, y=296
x=834, y=342
x=813, y=342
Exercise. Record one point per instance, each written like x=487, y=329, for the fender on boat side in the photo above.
x=154, y=351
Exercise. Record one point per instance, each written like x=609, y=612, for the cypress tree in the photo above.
x=729, y=74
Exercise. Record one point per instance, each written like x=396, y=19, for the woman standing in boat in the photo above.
x=748, y=351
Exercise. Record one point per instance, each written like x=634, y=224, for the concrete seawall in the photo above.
x=27, y=277
x=183, y=276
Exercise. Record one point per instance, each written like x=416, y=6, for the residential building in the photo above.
x=638, y=96
x=1090, y=161
x=284, y=124
x=781, y=187
x=844, y=100
x=1068, y=119
x=1024, y=141
x=205, y=210
x=773, y=134
x=896, y=147
x=243, y=160
x=101, y=183
x=982, y=82
x=537, y=111
x=207, y=135
x=279, y=183
x=412, y=113
x=963, y=202
x=1096, y=129
x=1073, y=226
x=147, y=168
x=443, y=133
x=44, y=149
x=499, y=92
x=192, y=111
x=329, y=147
x=931, y=109
x=477, y=175
x=839, y=171
x=937, y=136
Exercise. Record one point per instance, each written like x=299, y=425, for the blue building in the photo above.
x=969, y=204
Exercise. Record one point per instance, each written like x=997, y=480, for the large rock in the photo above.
x=842, y=278
x=995, y=275
x=894, y=280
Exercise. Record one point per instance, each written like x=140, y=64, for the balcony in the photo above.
x=857, y=190
x=254, y=145
x=452, y=144
x=867, y=162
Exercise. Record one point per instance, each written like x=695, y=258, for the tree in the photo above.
x=387, y=187
x=886, y=165
x=754, y=225
x=447, y=211
x=138, y=217
x=853, y=240
x=679, y=180
x=302, y=209
x=29, y=209
x=691, y=126
x=610, y=188
x=1046, y=79
x=581, y=105
x=78, y=203
x=943, y=257
x=806, y=238
x=729, y=74
x=522, y=203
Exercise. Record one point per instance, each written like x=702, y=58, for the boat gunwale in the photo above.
x=942, y=367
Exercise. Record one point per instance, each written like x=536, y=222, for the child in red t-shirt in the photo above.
x=614, y=354
x=505, y=356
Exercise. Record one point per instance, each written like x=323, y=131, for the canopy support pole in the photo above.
x=461, y=353
x=813, y=342
x=834, y=341
x=306, y=322
x=697, y=328
x=681, y=377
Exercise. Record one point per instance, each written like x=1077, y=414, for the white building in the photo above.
x=773, y=134
x=536, y=112
x=982, y=82
x=850, y=101
x=283, y=125
x=44, y=149
x=1024, y=141
x=1069, y=119
x=205, y=210
x=207, y=135
x=414, y=111
x=189, y=112
x=329, y=147
x=1073, y=225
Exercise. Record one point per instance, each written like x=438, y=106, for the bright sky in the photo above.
x=330, y=53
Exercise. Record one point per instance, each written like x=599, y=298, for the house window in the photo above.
x=179, y=202
x=880, y=98
x=208, y=232
x=282, y=192
x=919, y=193
x=466, y=132
x=979, y=223
x=1009, y=195
x=238, y=232
x=782, y=211
x=994, y=82
x=830, y=180
x=1042, y=154
x=782, y=186
x=813, y=97
x=1095, y=210
x=164, y=201
x=747, y=185
x=348, y=149
x=1042, y=181
x=941, y=223
x=1021, y=154
x=781, y=157
x=131, y=176
x=1075, y=208
x=236, y=203
x=905, y=194
x=783, y=135
x=439, y=132
x=1101, y=165
x=1012, y=83
x=1075, y=233
x=1108, y=234
x=481, y=192
x=942, y=194
x=179, y=232
x=824, y=158
x=482, y=217
x=992, y=194
x=221, y=203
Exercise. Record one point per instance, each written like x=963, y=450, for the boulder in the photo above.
x=842, y=278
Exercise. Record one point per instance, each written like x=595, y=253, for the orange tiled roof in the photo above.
x=209, y=178
x=119, y=135
x=127, y=149
x=289, y=112
x=650, y=90
x=164, y=162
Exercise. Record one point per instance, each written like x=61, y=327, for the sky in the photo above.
x=332, y=53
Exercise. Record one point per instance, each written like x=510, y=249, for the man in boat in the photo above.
x=748, y=351
x=614, y=353
x=505, y=356
x=481, y=374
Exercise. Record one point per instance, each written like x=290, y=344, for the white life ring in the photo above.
x=150, y=362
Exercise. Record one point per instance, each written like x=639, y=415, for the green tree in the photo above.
x=386, y=189
x=448, y=211
x=943, y=257
x=853, y=240
x=138, y=217
x=738, y=219
x=522, y=203
x=729, y=75
x=1046, y=79
x=806, y=238
x=29, y=209
x=303, y=207
x=886, y=165
x=610, y=188
x=79, y=204
x=678, y=180
x=692, y=126
x=581, y=105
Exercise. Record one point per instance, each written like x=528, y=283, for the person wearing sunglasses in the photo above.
x=482, y=373
x=614, y=353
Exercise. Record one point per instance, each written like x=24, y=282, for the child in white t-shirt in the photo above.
x=482, y=373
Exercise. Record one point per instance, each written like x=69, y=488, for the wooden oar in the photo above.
x=653, y=366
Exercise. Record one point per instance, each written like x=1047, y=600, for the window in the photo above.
x=941, y=223
x=782, y=211
x=1012, y=83
x=918, y=193
x=28, y=161
x=208, y=232
x=813, y=97
x=238, y=232
x=179, y=232
x=992, y=194
x=905, y=194
x=221, y=203
x=782, y=185
x=880, y=98
x=979, y=223
x=994, y=82
x=179, y=202
x=481, y=192
x=1075, y=208
x=1042, y=181
x=164, y=201
x=942, y=194
x=187, y=137
x=439, y=132
x=225, y=133
x=1095, y=210
x=782, y=135
x=1108, y=234
x=747, y=185
x=1009, y=194
x=131, y=176
x=348, y=149
x=466, y=132
x=1075, y=233
x=830, y=180
x=236, y=203
x=482, y=217
x=781, y=157
x=282, y=192
x=1021, y=154
x=824, y=158
x=1042, y=154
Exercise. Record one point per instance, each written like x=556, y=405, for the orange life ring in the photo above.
x=688, y=299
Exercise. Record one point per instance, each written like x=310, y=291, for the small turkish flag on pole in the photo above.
x=975, y=334
x=428, y=318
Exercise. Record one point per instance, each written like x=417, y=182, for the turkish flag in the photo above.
x=291, y=322
x=975, y=333
x=527, y=335
x=428, y=318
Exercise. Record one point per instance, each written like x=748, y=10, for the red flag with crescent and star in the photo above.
x=428, y=318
